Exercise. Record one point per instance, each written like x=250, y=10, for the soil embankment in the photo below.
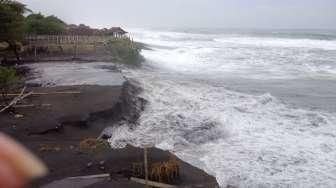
x=63, y=116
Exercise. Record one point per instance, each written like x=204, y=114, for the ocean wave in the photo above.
x=280, y=42
x=244, y=140
x=247, y=62
x=230, y=133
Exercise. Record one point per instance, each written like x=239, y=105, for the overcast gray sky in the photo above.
x=192, y=13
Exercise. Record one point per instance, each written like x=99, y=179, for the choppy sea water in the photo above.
x=254, y=109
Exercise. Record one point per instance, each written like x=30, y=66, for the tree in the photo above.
x=37, y=24
x=11, y=24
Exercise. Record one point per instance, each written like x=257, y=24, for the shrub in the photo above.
x=123, y=50
x=8, y=81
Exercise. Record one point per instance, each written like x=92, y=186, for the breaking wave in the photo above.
x=243, y=139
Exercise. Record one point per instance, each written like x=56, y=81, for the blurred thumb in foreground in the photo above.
x=18, y=166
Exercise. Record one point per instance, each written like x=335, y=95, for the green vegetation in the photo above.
x=14, y=25
x=8, y=81
x=123, y=50
x=11, y=24
x=38, y=24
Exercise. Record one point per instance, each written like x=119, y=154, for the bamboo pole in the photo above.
x=16, y=99
x=152, y=183
x=52, y=93
x=28, y=105
x=138, y=180
x=146, y=167
x=91, y=176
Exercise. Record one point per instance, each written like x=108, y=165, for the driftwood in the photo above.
x=51, y=93
x=21, y=105
x=152, y=183
x=26, y=105
x=20, y=97
x=91, y=176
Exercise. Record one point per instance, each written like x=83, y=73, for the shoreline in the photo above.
x=85, y=115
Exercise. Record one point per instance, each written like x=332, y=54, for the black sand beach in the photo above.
x=54, y=127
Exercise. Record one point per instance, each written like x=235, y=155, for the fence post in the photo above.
x=35, y=53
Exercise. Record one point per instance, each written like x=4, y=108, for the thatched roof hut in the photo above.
x=86, y=30
x=116, y=31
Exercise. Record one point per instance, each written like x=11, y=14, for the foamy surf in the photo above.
x=280, y=42
x=241, y=55
x=244, y=139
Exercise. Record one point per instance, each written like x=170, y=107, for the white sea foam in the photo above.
x=280, y=42
x=242, y=139
x=246, y=140
x=252, y=57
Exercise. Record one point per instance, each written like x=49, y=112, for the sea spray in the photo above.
x=245, y=139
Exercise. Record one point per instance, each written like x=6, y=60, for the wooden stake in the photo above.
x=146, y=167
x=35, y=52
